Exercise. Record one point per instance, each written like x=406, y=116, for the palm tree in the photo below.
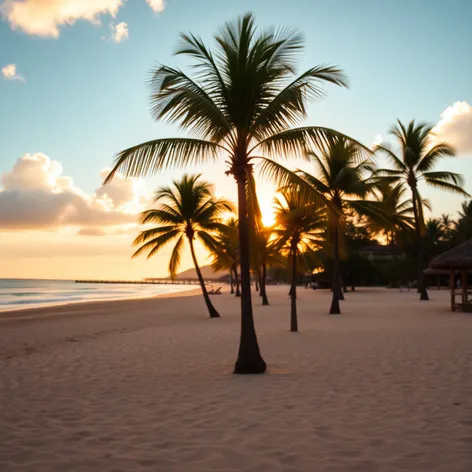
x=240, y=104
x=187, y=211
x=343, y=184
x=418, y=157
x=266, y=253
x=224, y=250
x=464, y=224
x=299, y=229
x=395, y=216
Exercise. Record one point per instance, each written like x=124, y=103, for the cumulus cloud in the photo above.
x=119, y=32
x=455, y=127
x=45, y=17
x=36, y=195
x=156, y=5
x=9, y=72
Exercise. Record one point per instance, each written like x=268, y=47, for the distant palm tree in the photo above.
x=395, y=218
x=187, y=211
x=396, y=212
x=418, y=157
x=240, y=105
x=463, y=227
x=298, y=229
x=224, y=250
x=344, y=184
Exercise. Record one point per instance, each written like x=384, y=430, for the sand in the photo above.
x=146, y=385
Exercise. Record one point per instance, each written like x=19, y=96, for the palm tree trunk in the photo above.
x=419, y=249
x=236, y=278
x=231, y=281
x=249, y=359
x=293, y=291
x=263, y=292
x=211, y=309
x=342, y=288
x=335, y=309
x=393, y=242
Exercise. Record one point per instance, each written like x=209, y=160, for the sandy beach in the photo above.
x=146, y=385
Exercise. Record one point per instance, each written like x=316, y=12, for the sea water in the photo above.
x=33, y=293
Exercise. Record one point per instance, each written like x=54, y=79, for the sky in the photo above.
x=73, y=93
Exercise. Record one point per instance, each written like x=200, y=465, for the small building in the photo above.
x=458, y=261
x=378, y=253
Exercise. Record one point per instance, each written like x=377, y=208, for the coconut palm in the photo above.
x=418, y=157
x=266, y=253
x=344, y=185
x=298, y=229
x=188, y=211
x=395, y=220
x=240, y=104
x=224, y=249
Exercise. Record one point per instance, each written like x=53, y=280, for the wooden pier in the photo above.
x=148, y=281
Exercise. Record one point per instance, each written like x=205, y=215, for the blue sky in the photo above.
x=85, y=97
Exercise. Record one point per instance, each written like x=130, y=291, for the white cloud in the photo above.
x=45, y=17
x=9, y=72
x=120, y=32
x=455, y=127
x=156, y=5
x=36, y=195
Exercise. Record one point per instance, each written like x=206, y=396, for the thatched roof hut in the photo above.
x=458, y=258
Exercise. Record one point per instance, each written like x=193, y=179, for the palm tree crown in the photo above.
x=418, y=157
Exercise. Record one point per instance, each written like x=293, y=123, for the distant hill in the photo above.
x=207, y=273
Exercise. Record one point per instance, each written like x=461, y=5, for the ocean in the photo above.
x=33, y=293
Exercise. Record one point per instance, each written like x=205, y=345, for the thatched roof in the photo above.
x=459, y=257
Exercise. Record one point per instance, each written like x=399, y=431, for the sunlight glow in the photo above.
x=267, y=210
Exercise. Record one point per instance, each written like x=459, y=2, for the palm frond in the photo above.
x=175, y=257
x=155, y=244
x=446, y=186
x=177, y=98
x=289, y=105
x=434, y=155
x=153, y=156
x=298, y=142
x=391, y=156
x=445, y=176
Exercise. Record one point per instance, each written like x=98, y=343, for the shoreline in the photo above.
x=57, y=309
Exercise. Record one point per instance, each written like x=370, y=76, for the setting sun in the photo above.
x=267, y=210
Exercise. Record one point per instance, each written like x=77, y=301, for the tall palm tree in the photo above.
x=187, y=211
x=239, y=105
x=299, y=229
x=417, y=159
x=344, y=184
